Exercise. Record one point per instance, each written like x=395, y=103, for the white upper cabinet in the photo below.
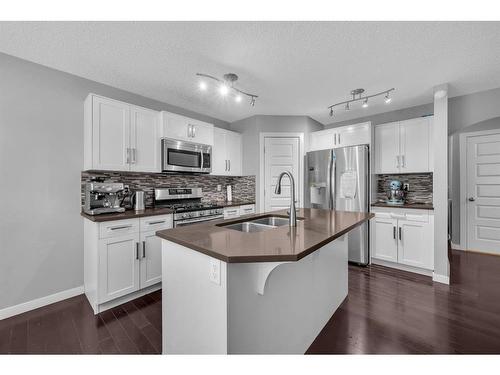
x=186, y=129
x=404, y=147
x=344, y=136
x=227, y=153
x=145, y=140
x=120, y=137
x=387, y=148
x=107, y=134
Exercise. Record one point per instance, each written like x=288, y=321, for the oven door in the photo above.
x=183, y=223
x=181, y=156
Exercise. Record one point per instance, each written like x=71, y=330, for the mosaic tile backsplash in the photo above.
x=243, y=187
x=420, y=186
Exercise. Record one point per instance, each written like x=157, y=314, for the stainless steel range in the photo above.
x=187, y=205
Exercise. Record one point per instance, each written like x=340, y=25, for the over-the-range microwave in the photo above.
x=182, y=156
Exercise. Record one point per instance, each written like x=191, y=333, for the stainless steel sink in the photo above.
x=248, y=227
x=274, y=221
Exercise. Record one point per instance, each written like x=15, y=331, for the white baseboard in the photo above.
x=456, y=246
x=402, y=267
x=441, y=278
x=40, y=302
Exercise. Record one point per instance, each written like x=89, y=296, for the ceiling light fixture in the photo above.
x=226, y=87
x=357, y=95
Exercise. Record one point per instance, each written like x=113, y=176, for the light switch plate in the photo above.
x=219, y=187
x=214, y=273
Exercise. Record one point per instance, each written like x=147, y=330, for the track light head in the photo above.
x=331, y=112
x=347, y=107
x=365, y=103
x=387, y=99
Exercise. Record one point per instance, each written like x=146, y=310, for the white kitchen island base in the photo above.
x=210, y=306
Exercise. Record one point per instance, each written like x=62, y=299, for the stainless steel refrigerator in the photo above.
x=339, y=179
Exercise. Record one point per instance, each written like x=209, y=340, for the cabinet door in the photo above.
x=353, y=135
x=118, y=266
x=219, y=153
x=387, y=148
x=201, y=132
x=175, y=126
x=414, y=145
x=150, y=254
x=110, y=134
x=414, y=245
x=145, y=140
x=386, y=243
x=234, y=150
x=322, y=140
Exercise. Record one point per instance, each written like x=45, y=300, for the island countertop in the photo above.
x=280, y=244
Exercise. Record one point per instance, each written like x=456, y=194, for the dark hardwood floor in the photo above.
x=387, y=311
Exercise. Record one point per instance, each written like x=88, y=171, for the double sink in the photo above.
x=258, y=225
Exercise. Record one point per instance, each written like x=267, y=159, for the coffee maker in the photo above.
x=396, y=195
x=103, y=197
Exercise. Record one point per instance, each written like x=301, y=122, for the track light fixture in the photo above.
x=226, y=87
x=357, y=95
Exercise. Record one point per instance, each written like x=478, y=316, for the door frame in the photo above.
x=464, y=216
x=302, y=153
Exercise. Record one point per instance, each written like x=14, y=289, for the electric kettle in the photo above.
x=138, y=200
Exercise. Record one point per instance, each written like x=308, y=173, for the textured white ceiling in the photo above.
x=296, y=68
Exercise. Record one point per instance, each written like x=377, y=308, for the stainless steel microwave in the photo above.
x=182, y=156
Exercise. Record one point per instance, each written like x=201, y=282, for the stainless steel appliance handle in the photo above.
x=331, y=170
x=193, y=221
x=201, y=160
x=143, y=249
x=137, y=250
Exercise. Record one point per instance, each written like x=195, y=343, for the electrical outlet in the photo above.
x=219, y=187
x=214, y=274
x=406, y=186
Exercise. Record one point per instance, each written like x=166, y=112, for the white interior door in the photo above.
x=483, y=193
x=281, y=154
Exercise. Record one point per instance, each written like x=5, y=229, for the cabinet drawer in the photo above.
x=231, y=212
x=118, y=228
x=155, y=222
x=247, y=209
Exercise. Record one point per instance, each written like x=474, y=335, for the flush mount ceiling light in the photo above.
x=225, y=87
x=357, y=95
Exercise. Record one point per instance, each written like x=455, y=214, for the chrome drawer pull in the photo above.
x=156, y=222
x=121, y=227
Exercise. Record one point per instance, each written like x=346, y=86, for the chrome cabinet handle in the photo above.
x=229, y=163
x=189, y=131
x=134, y=154
x=339, y=138
x=194, y=131
x=156, y=222
x=121, y=227
x=394, y=232
x=226, y=165
x=400, y=233
x=397, y=162
x=403, y=161
x=143, y=249
x=472, y=199
x=128, y=155
x=335, y=138
x=137, y=250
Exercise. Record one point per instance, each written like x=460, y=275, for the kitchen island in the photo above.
x=230, y=287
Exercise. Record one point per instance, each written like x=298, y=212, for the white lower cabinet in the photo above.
x=403, y=238
x=122, y=259
x=237, y=211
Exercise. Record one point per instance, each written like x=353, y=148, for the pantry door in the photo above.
x=281, y=153
x=482, y=197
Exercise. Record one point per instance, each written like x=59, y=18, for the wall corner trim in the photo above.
x=440, y=278
x=40, y=302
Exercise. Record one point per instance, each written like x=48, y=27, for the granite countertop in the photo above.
x=412, y=205
x=317, y=228
x=128, y=214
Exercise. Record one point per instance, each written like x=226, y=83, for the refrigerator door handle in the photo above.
x=331, y=180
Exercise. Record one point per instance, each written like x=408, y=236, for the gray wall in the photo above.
x=252, y=127
x=41, y=157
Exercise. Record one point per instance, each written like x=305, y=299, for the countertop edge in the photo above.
x=129, y=214
x=264, y=258
x=428, y=207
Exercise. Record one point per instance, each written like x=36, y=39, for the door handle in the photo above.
x=394, y=232
x=137, y=250
x=400, y=233
x=472, y=199
x=144, y=249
